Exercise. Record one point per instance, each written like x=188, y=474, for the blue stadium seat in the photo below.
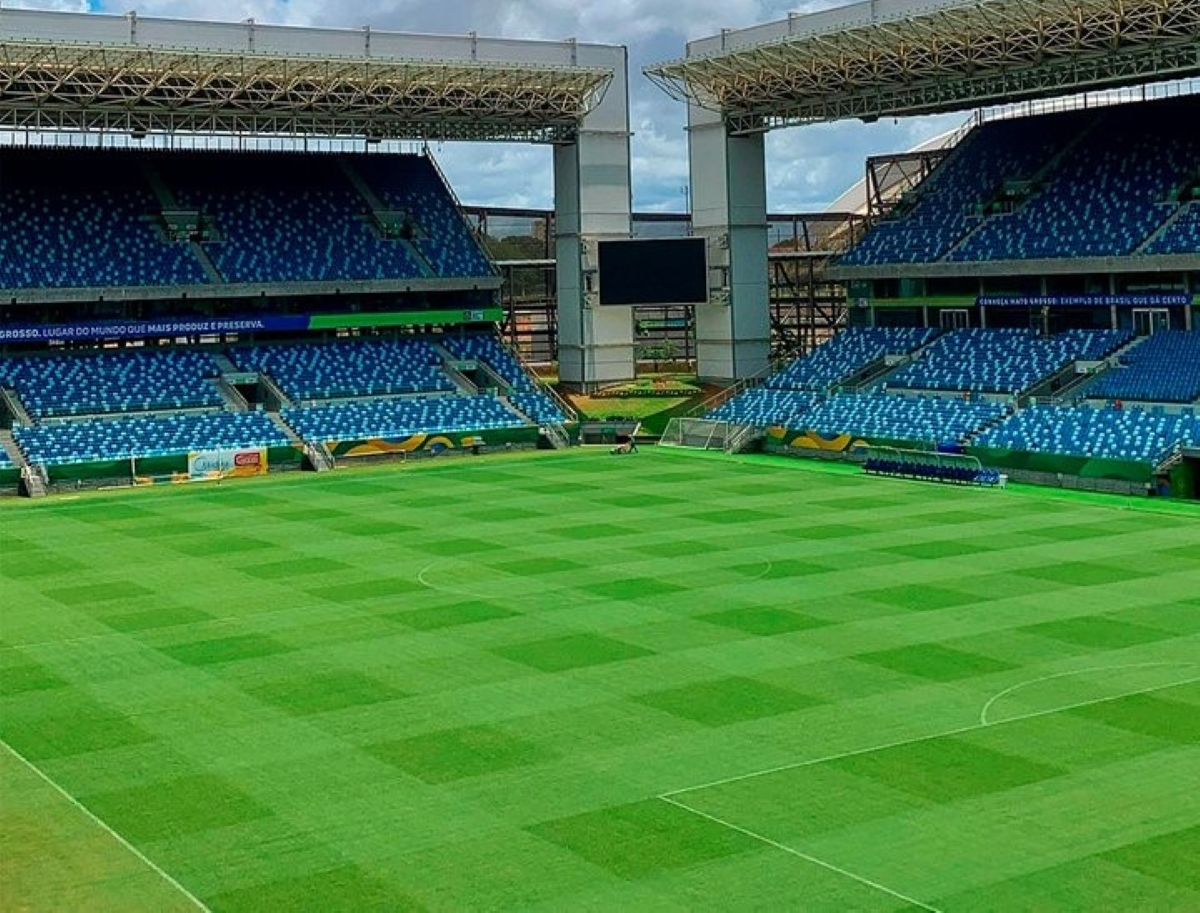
x=67, y=225
x=1165, y=368
x=95, y=219
x=99, y=439
x=1001, y=360
x=109, y=382
x=525, y=393
x=348, y=368
x=1090, y=183
x=400, y=417
x=1117, y=434
x=881, y=416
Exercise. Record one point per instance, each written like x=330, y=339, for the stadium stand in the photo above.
x=538, y=406
x=1182, y=236
x=400, y=417
x=1119, y=434
x=1093, y=183
x=1001, y=360
x=880, y=416
x=786, y=395
x=89, y=440
x=1105, y=198
x=848, y=353
x=126, y=381
x=412, y=183
x=764, y=406
x=98, y=218
x=524, y=392
x=284, y=218
x=348, y=368
x=942, y=212
x=73, y=225
x=1164, y=368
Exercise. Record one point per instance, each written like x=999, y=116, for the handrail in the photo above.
x=723, y=396
x=558, y=436
x=567, y=409
x=458, y=208
x=742, y=433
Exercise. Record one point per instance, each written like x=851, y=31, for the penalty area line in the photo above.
x=946, y=733
x=799, y=854
x=91, y=816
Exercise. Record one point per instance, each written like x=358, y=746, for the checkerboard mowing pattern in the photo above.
x=573, y=681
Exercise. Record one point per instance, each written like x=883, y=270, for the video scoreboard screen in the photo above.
x=653, y=271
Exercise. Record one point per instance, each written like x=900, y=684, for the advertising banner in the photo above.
x=221, y=464
x=1146, y=300
x=200, y=326
x=143, y=329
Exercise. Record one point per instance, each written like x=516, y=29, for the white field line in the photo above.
x=669, y=797
x=875, y=885
x=983, y=714
x=149, y=863
x=958, y=730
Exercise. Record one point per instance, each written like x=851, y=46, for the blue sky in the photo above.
x=807, y=167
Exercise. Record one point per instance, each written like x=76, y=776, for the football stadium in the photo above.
x=361, y=549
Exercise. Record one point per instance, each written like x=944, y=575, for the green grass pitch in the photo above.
x=579, y=681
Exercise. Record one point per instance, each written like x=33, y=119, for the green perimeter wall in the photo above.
x=434, y=442
x=292, y=457
x=277, y=457
x=1084, y=467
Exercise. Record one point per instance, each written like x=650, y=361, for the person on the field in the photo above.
x=625, y=444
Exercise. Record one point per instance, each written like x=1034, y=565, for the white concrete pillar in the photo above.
x=729, y=209
x=592, y=201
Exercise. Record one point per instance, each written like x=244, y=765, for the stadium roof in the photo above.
x=122, y=73
x=885, y=58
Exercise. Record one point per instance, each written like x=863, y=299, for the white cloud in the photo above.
x=807, y=167
x=61, y=6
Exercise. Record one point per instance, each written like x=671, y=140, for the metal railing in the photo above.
x=740, y=437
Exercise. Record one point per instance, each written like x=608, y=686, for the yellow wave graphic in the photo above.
x=810, y=440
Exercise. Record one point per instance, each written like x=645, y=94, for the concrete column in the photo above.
x=729, y=209
x=593, y=200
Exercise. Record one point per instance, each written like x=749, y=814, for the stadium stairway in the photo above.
x=880, y=380
x=1180, y=212
x=224, y=364
x=450, y=363
x=1111, y=362
x=8, y=444
x=166, y=199
x=1051, y=387
x=553, y=433
x=969, y=437
x=489, y=375
x=34, y=482
x=868, y=376
x=1034, y=180
x=210, y=269
x=318, y=454
x=234, y=401
x=274, y=391
x=460, y=380
x=377, y=206
x=12, y=401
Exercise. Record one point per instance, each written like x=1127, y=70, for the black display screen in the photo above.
x=653, y=271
